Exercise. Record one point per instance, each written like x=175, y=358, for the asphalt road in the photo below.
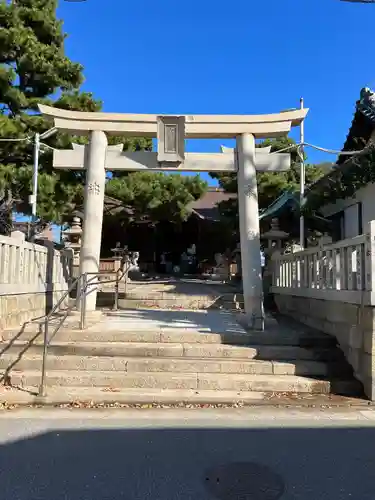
x=261, y=454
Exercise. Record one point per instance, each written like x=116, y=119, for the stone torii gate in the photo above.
x=171, y=132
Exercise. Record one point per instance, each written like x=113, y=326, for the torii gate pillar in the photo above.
x=249, y=231
x=93, y=212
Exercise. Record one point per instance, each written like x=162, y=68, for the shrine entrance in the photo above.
x=171, y=132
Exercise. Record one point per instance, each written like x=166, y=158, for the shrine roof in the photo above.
x=287, y=200
x=207, y=206
x=111, y=207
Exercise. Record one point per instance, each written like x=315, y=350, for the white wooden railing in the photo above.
x=341, y=271
x=29, y=268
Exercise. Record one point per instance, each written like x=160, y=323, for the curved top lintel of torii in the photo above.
x=196, y=126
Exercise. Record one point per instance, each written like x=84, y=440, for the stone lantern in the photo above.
x=118, y=251
x=72, y=238
x=119, y=254
x=275, y=238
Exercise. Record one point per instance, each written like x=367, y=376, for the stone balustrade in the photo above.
x=332, y=288
x=32, y=279
x=336, y=271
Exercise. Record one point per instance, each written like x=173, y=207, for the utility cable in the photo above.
x=2, y=139
x=292, y=146
x=334, y=151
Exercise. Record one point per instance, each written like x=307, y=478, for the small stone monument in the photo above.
x=134, y=270
x=133, y=260
x=292, y=248
x=72, y=238
x=325, y=239
x=221, y=269
x=192, y=250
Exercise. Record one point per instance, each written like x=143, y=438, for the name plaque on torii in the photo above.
x=171, y=132
x=171, y=140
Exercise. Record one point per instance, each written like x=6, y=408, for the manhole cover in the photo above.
x=244, y=481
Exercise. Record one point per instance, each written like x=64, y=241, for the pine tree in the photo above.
x=34, y=69
x=270, y=184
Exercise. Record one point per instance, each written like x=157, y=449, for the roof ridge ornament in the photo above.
x=366, y=103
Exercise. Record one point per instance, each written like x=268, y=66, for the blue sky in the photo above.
x=208, y=56
x=174, y=56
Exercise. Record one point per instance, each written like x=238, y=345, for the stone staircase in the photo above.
x=110, y=362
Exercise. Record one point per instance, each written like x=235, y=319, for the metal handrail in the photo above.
x=87, y=283
x=41, y=319
x=82, y=297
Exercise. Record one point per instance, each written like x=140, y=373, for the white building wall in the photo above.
x=351, y=221
x=368, y=204
x=350, y=207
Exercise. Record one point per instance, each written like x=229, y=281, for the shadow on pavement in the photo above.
x=199, y=321
x=197, y=464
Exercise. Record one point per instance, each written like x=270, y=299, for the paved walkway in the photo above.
x=180, y=294
x=257, y=454
x=203, y=321
x=188, y=293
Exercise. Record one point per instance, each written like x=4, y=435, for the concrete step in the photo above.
x=178, y=335
x=175, y=365
x=192, y=303
x=169, y=335
x=206, y=381
x=103, y=396
x=176, y=350
x=86, y=397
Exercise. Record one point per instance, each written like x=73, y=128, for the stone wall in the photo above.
x=32, y=279
x=351, y=324
x=17, y=309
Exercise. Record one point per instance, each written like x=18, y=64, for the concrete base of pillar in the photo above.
x=90, y=315
x=248, y=322
x=254, y=312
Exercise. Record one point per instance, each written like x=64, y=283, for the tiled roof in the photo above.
x=206, y=207
x=287, y=199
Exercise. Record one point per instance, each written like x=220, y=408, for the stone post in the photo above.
x=93, y=210
x=249, y=231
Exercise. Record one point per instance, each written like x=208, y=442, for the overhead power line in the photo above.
x=10, y=139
